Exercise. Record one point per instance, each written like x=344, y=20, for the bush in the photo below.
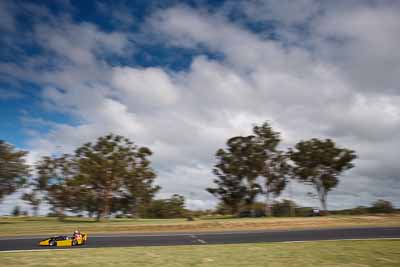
x=173, y=207
x=285, y=208
x=382, y=206
x=304, y=211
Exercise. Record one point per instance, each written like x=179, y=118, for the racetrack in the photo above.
x=173, y=239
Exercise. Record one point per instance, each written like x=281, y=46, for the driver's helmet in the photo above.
x=76, y=232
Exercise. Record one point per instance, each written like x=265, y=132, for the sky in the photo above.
x=181, y=77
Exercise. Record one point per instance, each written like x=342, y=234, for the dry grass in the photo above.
x=10, y=226
x=383, y=253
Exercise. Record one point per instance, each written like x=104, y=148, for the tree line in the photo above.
x=114, y=175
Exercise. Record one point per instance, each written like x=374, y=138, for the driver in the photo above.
x=77, y=235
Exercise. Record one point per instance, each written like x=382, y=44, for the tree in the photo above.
x=13, y=169
x=110, y=175
x=237, y=170
x=114, y=167
x=275, y=168
x=320, y=163
x=243, y=162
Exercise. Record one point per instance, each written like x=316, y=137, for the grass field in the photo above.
x=12, y=226
x=323, y=253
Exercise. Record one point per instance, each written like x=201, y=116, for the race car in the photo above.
x=63, y=241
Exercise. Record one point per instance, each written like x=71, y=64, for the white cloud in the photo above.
x=146, y=88
x=363, y=40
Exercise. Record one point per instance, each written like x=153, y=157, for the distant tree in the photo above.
x=13, y=169
x=382, y=206
x=320, y=163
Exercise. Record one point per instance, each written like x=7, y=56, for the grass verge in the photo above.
x=368, y=253
x=14, y=226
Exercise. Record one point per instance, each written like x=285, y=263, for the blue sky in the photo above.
x=183, y=76
x=21, y=98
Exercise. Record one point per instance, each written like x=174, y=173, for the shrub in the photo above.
x=303, y=211
x=285, y=208
x=382, y=206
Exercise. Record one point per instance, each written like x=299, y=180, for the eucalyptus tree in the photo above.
x=245, y=161
x=275, y=169
x=237, y=170
x=320, y=163
x=109, y=175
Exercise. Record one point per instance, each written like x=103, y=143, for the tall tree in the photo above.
x=115, y=168
x=237, y=170
x=320, y=163
x=13, y=169
x=244, y=161
x=109, y=175
x=275, y=168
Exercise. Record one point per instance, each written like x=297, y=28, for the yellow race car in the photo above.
x=63, y=241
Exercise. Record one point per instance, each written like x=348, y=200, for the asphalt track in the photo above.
x=175, y=239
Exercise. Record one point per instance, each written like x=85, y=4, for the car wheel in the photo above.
x=53, y=243
x=74, y=242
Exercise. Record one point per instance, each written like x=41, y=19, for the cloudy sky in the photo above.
x=182, y=77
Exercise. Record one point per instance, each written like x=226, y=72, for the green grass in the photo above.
x=11, y=226
x=323, y=253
